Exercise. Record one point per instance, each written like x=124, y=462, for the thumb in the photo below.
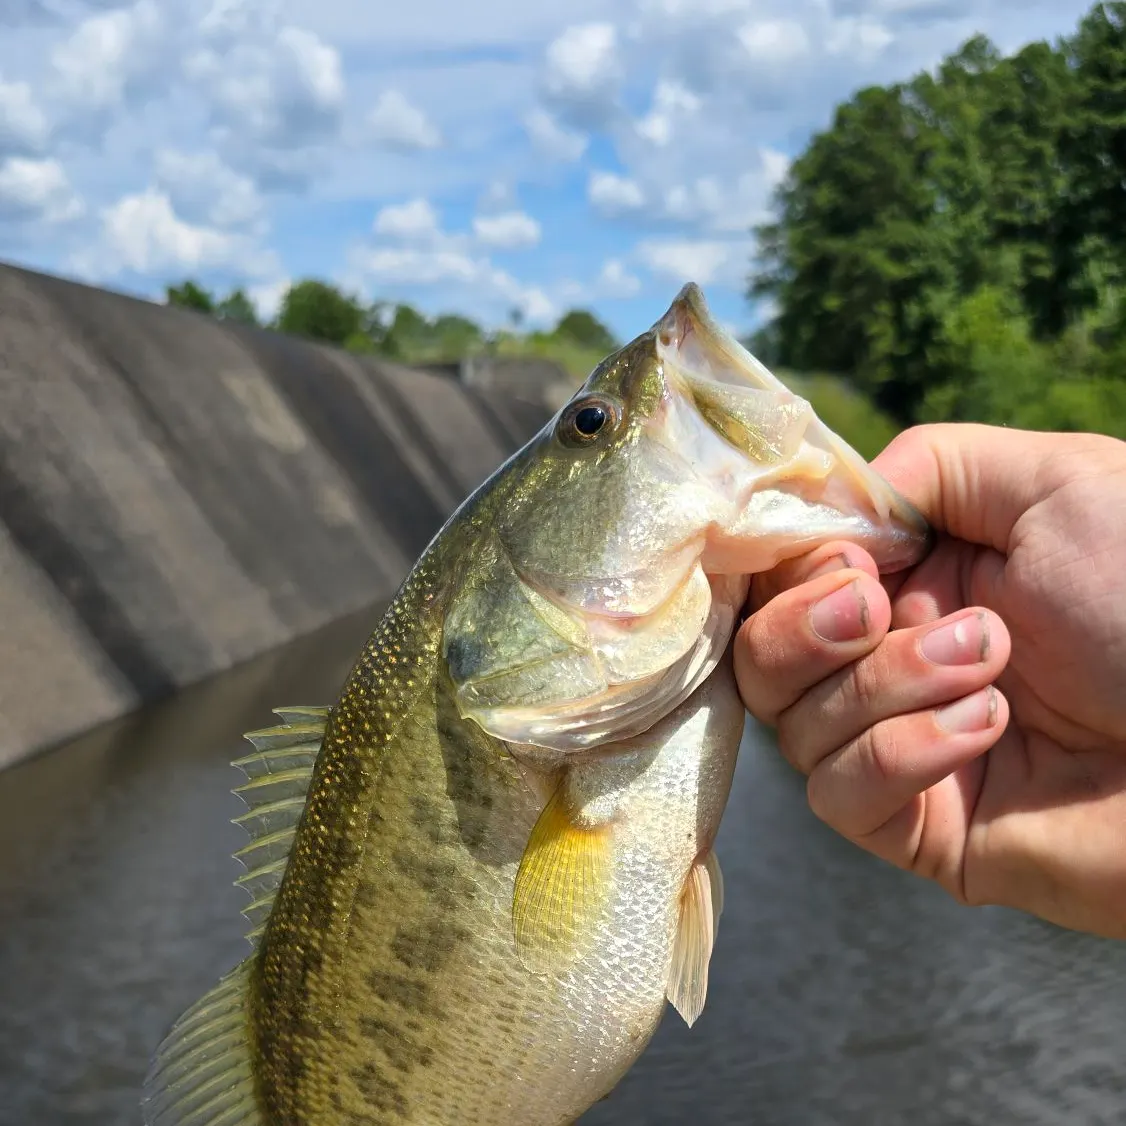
x=970, y=481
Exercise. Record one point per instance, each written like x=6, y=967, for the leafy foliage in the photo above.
x=189, y=295
x=320, y=311
x=954, y=244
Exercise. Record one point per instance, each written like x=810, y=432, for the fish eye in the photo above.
x=586, y=419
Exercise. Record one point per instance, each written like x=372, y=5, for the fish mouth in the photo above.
x=799, y=483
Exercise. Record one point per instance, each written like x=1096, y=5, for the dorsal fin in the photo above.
x=277, y=783
x=202, y=1074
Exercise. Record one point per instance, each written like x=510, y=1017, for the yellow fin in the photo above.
x=561, y=888
x=700, y=904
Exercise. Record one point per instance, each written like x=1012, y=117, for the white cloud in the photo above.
x=671, y=101
x=413, y=221
x=98, y=65
x=267, y=297
x=774, y=41
x=23, y=126
x=582, y=70
x=860, y=37
x=284, y=91
x=551, y=139
x=36, y=190
x=416, y=266
x=612, y=194
x=398, y=123
x=615, y=280
x=511, y=230
x=142, y=233
x=704, y=261
x=200, y=187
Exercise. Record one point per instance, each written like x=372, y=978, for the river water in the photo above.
x=843, y=993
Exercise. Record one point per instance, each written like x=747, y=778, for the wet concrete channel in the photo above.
x=843, y=993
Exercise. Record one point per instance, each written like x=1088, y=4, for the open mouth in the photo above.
x=794, y=478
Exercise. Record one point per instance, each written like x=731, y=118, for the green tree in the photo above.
x=237, y=307
x=944, y=237
x=583, y=328
x=189, y=295
x=320, y=311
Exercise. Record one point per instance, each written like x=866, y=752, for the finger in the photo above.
x=806, y=634
x=836, y=556
x=971, y=481
x=909, y=670
x=864, y=786
x=958, y=574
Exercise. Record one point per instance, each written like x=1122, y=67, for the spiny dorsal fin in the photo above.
x=201, y=1073
x=277, y=783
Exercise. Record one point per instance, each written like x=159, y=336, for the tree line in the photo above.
x=319, y=311
x=956, y=244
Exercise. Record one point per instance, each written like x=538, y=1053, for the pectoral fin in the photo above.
x=561, y=888
x=701, y=902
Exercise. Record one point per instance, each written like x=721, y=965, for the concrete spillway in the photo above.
x=178, y=495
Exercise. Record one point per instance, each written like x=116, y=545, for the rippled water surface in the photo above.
x=843, y=993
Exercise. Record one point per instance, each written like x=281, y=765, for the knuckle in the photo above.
x=789, y=745
x=879, y=751
x=819, y=795
x=864, y=687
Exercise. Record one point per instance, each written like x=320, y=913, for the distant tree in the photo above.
x=238, y=307
x=453, y=337
x=407, y=334
x=189, y=295
x=320, y=311
x=584, y=328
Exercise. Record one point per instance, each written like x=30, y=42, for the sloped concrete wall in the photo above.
x=178, y=495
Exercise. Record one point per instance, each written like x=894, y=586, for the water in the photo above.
x=843, y=993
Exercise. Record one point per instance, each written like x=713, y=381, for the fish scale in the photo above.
x=478, y=878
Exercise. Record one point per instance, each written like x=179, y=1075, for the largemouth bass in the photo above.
x=480, y=875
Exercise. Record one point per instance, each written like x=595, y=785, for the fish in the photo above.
x=481, y=875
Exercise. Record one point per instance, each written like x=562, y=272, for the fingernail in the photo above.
x=842, y=615
x=971, y=713
x=964, y=642
x=839, y=562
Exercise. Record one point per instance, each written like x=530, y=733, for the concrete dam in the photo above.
x=178, y=495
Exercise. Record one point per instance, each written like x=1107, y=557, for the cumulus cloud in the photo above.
x=672, y=102
x=413, y=221
x=510, y=230
x=110, y=56
x=284, y=91
x=36, y=191
x=552, y=140
x=402, y=266
x=142, y=233
x=704, y=261
x=202, y=188
x=614, y=280
x=612, y=194
x=23, y=125
x=412, y=249
x=774, y=41
x=582, y=71
x=267, y=297
x=398, y=123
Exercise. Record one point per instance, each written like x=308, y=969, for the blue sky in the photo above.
x=473, y=158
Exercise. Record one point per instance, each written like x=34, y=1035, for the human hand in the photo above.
x=967, y=720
